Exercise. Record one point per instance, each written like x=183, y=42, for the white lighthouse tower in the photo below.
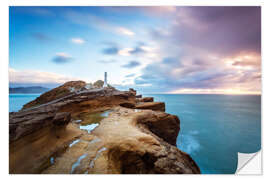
x=105, y=80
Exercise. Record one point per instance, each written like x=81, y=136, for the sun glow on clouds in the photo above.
x=231, y=91
x=168, y=49
x=244, y=62
x=77, y=40
x=125, y=31
x=125, y=52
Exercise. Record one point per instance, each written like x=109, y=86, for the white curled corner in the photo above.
x=249, y=163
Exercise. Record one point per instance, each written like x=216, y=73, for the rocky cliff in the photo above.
x=96, y=131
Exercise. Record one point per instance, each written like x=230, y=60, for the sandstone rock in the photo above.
x=133, y=91
x=61, y=118
x=123, y=143
x=145, y=99
x=156, y=106
x=32, y=153
x=127, y=105
x=127, y=141
x=156, y=123
x=139, y=96
x=56, y=93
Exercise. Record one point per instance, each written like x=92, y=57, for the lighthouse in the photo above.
x=105, y=80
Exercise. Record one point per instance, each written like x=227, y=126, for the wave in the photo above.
x=188, y=143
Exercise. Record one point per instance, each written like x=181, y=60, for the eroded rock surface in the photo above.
x=59, y=112
x=98, y=131
x=56, y=93
x=145, y=99
x=124, y=143
x=156, y=106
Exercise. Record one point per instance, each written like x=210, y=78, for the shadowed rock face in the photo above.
x=145, y=99
x=136, y=137
x=155, y=122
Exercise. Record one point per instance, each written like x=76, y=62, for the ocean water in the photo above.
x=16, y=101
x=214, y=128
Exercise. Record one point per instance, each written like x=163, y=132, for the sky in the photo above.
x=166, y=49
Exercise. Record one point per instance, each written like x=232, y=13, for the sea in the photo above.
x=213, y=128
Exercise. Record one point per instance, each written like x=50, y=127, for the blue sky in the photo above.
x=153, y=49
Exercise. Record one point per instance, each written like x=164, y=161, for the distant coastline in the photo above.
x=28, y=90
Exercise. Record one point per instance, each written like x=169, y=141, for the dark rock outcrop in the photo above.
x=139, y=96
x=155, y=122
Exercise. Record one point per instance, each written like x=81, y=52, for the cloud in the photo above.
x=37, y=77
x=77, y=40
x=219, y=29
x=62, y=58
x=125, y=31
x=175, y=75
x=107, y=61
x=137, y=50
x=110, y=50
x=125, y=51
x=113, y=49
x=211, y=49
x=132, y=64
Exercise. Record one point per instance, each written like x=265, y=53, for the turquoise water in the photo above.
x=16, y=101
x=213, y=127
